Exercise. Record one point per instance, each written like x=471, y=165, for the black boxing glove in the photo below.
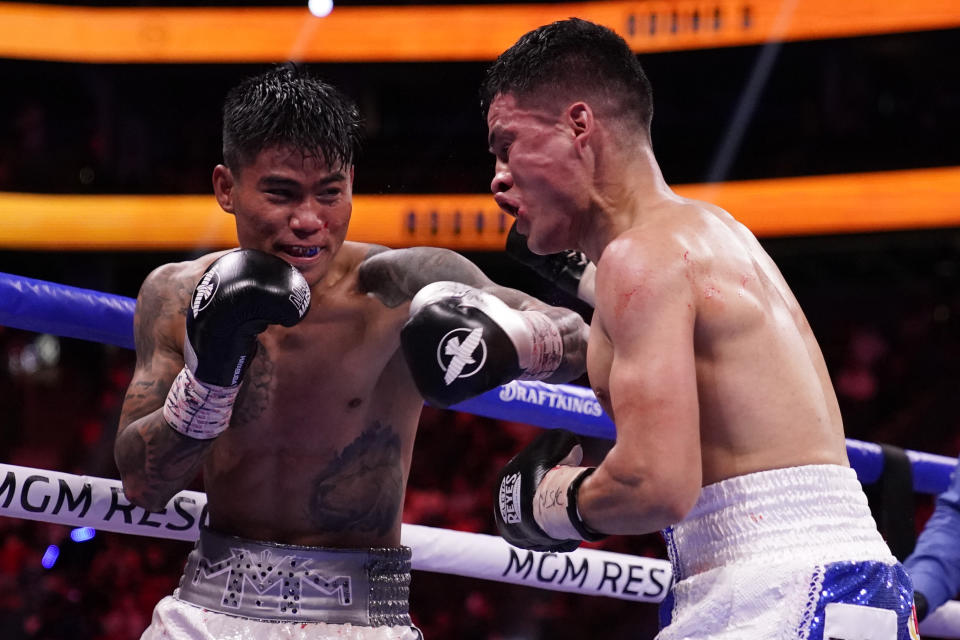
x=535, y=497
x=238, y=296
x=570, y=270
x=460, y=342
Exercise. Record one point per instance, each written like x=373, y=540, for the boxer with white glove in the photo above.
x=238, y=296
x=535, y=497
x=460, y=342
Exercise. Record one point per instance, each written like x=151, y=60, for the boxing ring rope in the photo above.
x=47, y=307
x=61, y=498
x=99, y=503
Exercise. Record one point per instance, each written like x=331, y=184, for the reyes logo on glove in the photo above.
x=458, y=351
x=205, y=290
x=510, y=498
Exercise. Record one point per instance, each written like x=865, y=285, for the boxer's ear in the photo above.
x=223, y=183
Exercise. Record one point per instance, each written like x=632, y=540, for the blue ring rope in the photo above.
x=47, y=307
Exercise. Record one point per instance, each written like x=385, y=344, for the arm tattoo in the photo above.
x=143, y=397
x=154, y=461
x=167, y=461
x=149, y=308
x=362, y=488
x=395, y=276
x=255, y=391
x=171, y=456
x=183, y=294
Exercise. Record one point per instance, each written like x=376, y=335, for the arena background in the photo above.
x=884, y=304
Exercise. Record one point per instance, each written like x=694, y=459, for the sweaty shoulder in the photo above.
x=652, y=253
x=734, y=284
x=640, y=271
x=353, y=255
x=171, y=278
x=700, y=240
x=365, y=249
x=165, y=294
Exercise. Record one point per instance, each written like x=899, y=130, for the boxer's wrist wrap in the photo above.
x=546, y=351
x=555, y=504
x=573, y=511
x=198, y=410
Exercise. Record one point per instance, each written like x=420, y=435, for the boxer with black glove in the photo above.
x=570, y=270
x=238, y=296
x=460, y=341
x=535, y=497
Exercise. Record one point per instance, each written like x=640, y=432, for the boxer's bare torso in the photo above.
x=705, y=361
x=321, y=437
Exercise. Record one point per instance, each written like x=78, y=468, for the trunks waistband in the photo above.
x=813, y=514
x=289, y=583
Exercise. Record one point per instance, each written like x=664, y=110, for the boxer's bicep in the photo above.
x=654, y=468
x=395, y=276
x=653, y=394
x=159, y=316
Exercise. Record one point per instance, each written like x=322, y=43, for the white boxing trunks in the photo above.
x=785, y=554
x=249, y=590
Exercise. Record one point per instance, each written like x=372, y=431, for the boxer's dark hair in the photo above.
x=287, y=107
x=571, y=60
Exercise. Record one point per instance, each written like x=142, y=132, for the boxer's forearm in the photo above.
x=395, y=276
x=156, y=462
x=628, y=504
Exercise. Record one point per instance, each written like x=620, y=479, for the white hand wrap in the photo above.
x=198, y=410
x=546, y=347
x=550, y=503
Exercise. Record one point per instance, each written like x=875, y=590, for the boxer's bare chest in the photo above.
x=319, y=444
x=331, y=368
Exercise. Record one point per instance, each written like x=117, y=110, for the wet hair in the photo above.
x=286, y=107
x=572, y=59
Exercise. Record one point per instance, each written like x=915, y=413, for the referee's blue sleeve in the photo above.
x=934, y=565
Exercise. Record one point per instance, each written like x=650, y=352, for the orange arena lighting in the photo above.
x=854, y=203
x=431, y=33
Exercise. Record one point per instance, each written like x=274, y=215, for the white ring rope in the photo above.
x=99, y=503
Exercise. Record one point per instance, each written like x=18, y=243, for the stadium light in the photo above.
x=320, y=8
